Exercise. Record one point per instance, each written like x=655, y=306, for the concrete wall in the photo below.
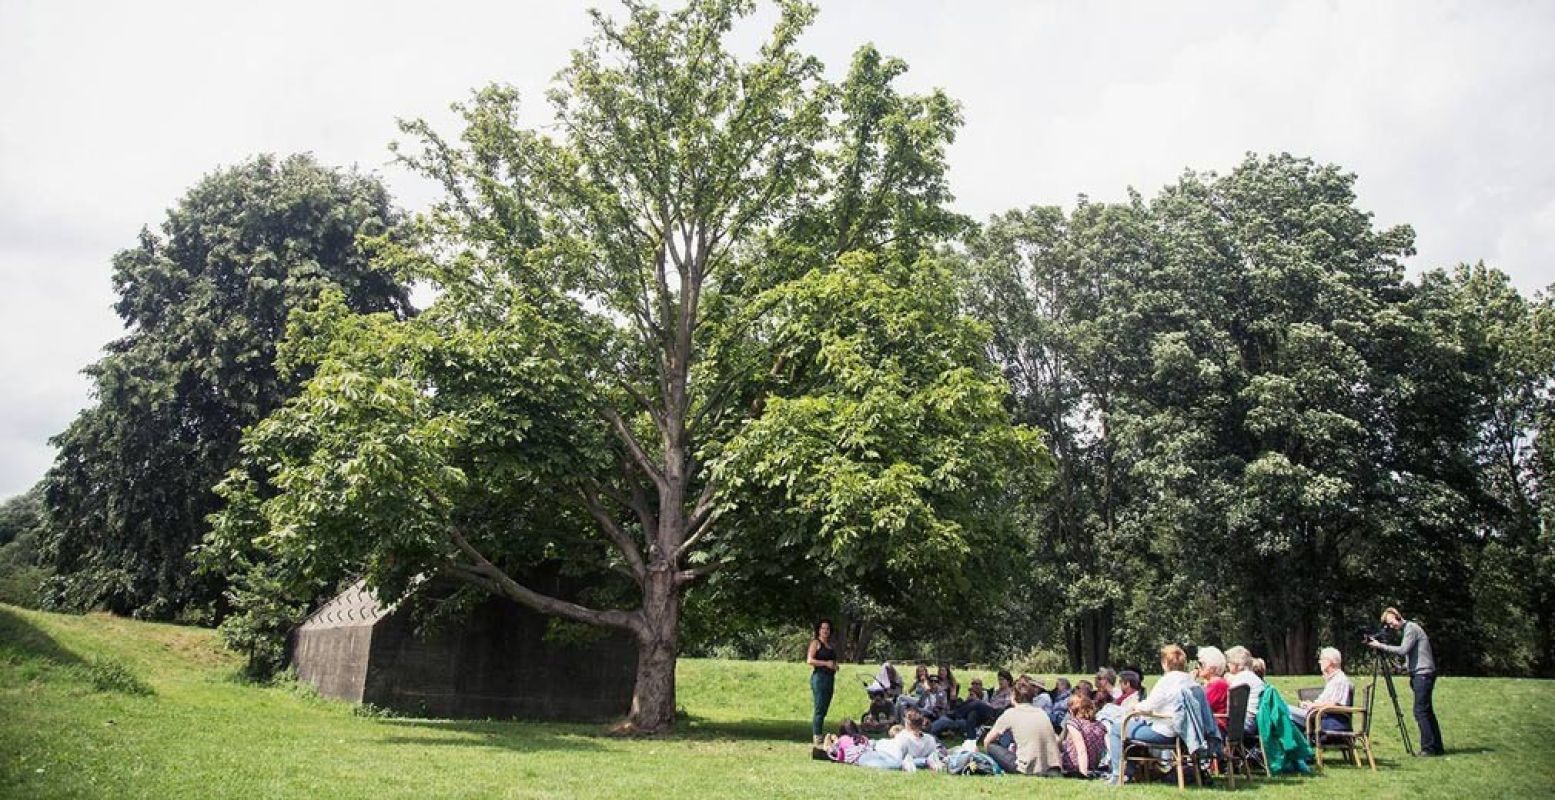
x=334, y=660
x=331, y=649
x=498, y=664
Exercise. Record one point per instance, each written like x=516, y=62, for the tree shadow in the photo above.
x=783, y=730
x=22, y=641
x=522, y=737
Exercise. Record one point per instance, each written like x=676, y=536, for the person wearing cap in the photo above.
x=1416, y=650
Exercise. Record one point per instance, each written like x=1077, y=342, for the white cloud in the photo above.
x=112, y=110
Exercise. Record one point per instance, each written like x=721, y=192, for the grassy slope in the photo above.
x=203, y=735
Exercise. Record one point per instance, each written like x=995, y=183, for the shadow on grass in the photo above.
x=522, y=737
x=783, y=730
x=22, y=642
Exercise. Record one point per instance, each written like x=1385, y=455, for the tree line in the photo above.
x=716, y=343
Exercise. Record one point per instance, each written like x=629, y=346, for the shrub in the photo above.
x=1039, y=660
x=109, y=675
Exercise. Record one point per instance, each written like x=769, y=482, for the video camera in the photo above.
x=1368, y=634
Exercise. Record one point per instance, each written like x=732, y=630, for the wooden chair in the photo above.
x=1350, y=742
x=1153, y=754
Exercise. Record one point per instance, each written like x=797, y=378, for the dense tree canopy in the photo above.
x=1264, y=433
x=205, y=303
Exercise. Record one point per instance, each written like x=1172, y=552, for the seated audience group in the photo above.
x=1027, y=728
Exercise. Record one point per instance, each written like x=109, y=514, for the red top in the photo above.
x=1218, y=693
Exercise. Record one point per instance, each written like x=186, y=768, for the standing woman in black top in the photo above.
x=822, y=678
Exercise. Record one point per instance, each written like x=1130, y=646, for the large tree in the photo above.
x=696, y=327
x=205, y=303
x=1262, y=430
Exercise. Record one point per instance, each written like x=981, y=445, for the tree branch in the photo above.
x=701, y=570
x=642, y=400
x=621, y=539
x=702, y=517
x=486, y=574
x=639, y=455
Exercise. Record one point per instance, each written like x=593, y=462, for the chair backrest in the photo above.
x=1236, y=713
x=1308, y=694
x=1366, y=708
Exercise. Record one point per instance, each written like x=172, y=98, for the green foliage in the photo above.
x=22, y=572
x=205, y=303
x=1037, y=661
x=1264, y=434
x=111, y=675
x=697, y=330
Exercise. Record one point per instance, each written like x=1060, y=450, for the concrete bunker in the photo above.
x=494, y=662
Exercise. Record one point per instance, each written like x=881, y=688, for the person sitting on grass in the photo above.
x=948, y=683
x=953, y=721
x=1035, y=745
x=1061, y=691
x=1040, y=699
x=1159, y=725
x=1084, y=739
x=1337, y=691
x=1107, y=690
x=881, y=714
x=934, y=703
x=978, y=710
x=913, y=697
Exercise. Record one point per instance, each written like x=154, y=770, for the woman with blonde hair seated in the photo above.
x=1159, y=723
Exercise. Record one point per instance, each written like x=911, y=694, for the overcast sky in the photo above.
x=110, y=111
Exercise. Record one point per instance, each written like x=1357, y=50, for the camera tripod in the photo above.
x=1379, y=667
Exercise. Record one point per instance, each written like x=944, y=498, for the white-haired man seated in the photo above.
x=1239, y=663
x=1337, y=691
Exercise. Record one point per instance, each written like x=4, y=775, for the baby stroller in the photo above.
x=882, y=692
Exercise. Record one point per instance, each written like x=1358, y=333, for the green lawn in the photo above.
x=72, y=725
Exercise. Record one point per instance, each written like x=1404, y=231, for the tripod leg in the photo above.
x=1398, y=712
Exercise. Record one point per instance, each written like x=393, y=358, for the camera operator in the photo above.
x=1416, y=649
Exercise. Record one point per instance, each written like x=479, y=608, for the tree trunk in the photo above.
x=653, y=697
x=866, y=632
x=1294, y=652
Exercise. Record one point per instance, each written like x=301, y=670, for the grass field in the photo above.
x=97, y=706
